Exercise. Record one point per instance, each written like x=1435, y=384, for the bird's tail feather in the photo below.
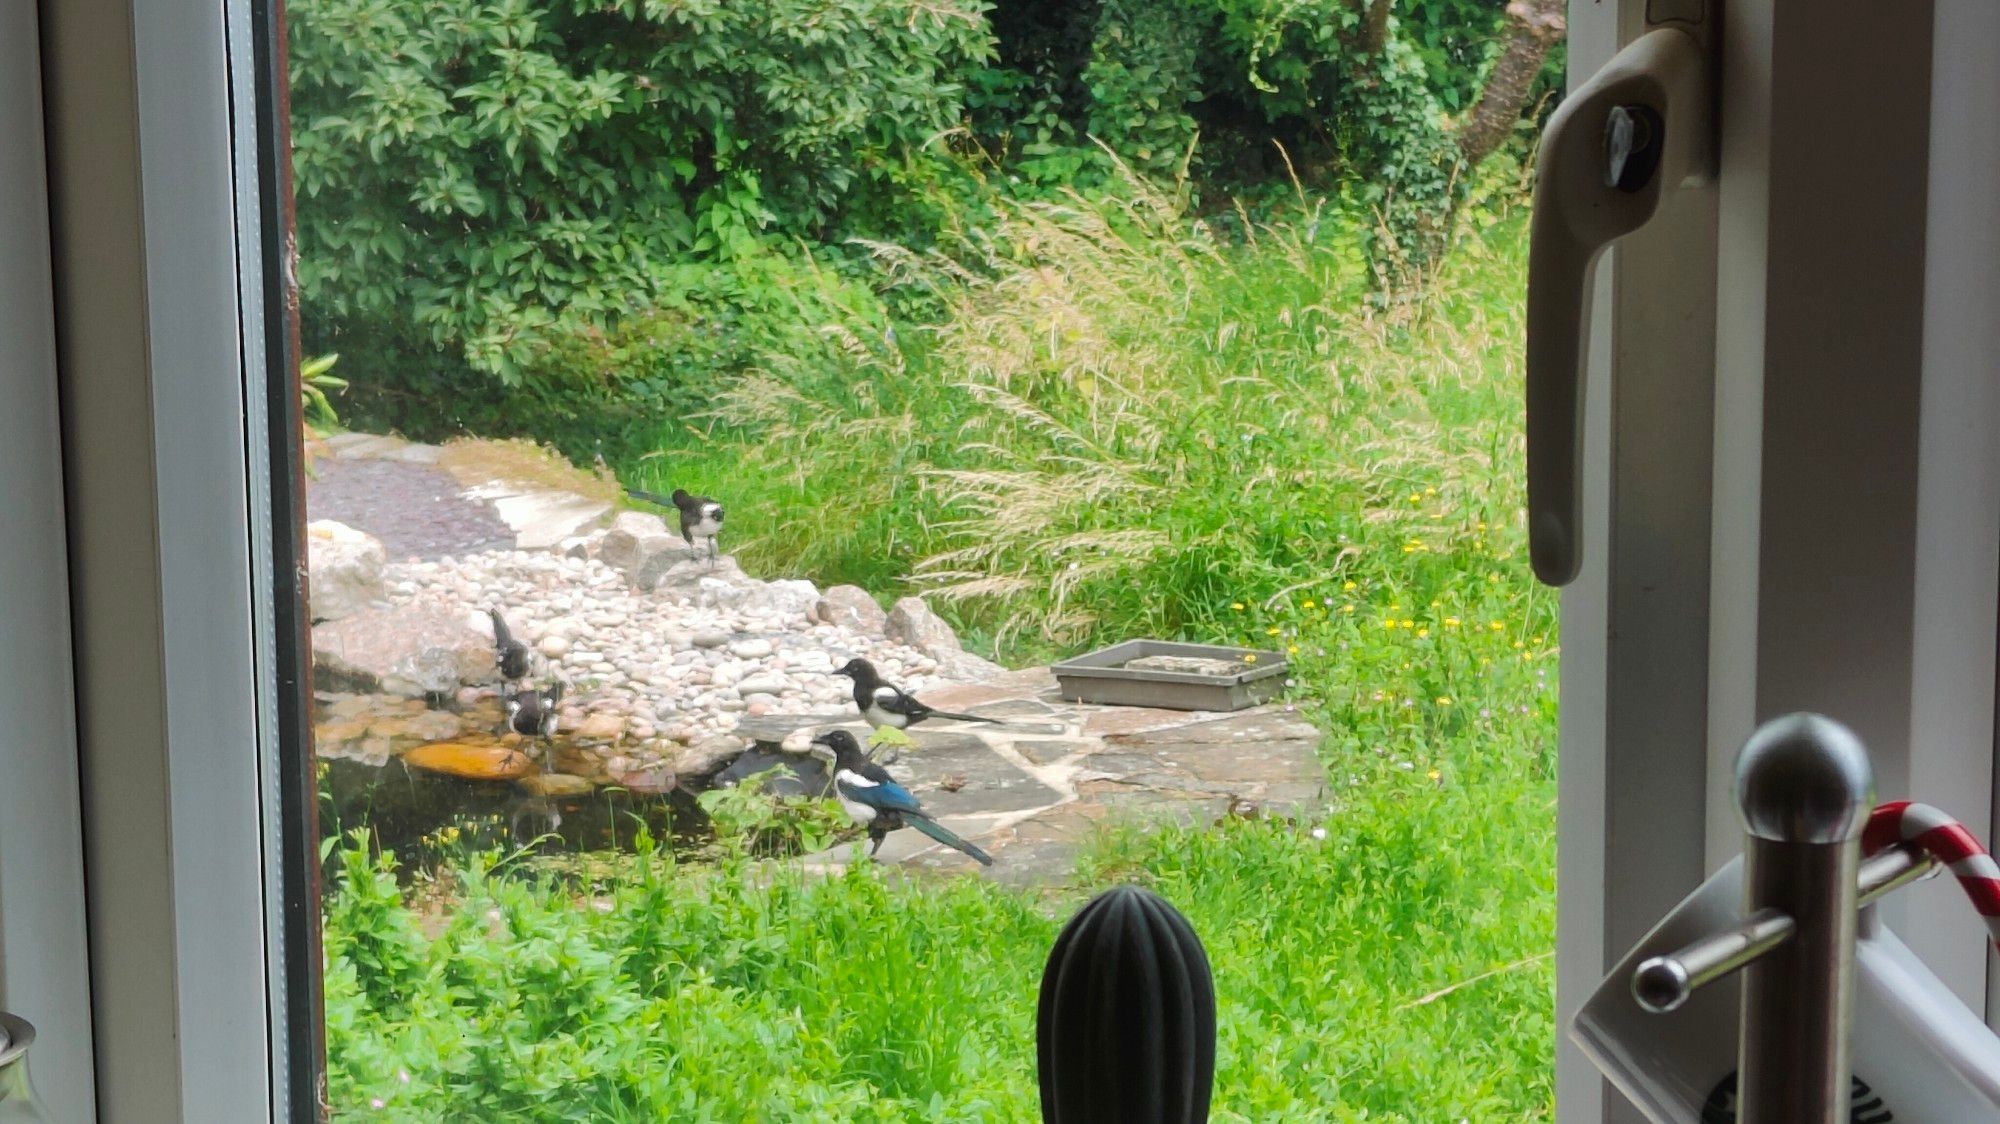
x=654, y=498
x=966, y=717
x=501, y=636
x=945, y=836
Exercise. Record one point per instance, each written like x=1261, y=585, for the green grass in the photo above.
x=1122, y=425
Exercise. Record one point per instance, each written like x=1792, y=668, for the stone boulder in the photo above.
x=911, y=622
x=790, y=599
x=853, y=608
x=402, y=651
x=641, y=547
x=696, y=763
x=344, y=569
x=720, y=583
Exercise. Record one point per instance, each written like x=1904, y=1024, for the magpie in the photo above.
x=873, y=798
x=509, y=653
x=533, y=712
x=701, y=517
x=886, y=706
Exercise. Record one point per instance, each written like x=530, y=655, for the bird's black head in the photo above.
x=857, y=669
x=835, y=744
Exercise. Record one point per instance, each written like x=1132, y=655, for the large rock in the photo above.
x=705, y=758
x=402, y=651
x=911, y=622
x=720, y=583
x=851, y=607
x=790, y=599
x=641, y=547
x=345, y=569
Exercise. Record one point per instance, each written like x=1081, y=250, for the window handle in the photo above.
x=1637, y=129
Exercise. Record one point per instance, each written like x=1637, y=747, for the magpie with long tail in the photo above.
x=701, y=517
x=873, y=799
x=509, y=653
x=532, y=713
x=886, y=706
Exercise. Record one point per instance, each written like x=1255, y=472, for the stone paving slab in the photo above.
x=1032, y=798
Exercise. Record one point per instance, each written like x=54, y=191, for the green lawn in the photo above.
x=1116, y=424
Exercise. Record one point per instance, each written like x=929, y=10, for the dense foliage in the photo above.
x=570, y=219
x=474, y=170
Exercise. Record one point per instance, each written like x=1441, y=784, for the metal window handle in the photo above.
x=1639, y=128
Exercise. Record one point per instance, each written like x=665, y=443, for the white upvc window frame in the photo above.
x=44, y=971
x=199, y=919
x=1832, y=541
x=164, y=222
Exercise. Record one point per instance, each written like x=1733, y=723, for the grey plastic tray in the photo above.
x=1102, y=677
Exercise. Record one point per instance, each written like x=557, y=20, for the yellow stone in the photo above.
x=471, y=762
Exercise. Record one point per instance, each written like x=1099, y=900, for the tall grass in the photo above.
x=1122, y=423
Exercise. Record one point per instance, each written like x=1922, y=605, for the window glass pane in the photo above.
x=722, y=418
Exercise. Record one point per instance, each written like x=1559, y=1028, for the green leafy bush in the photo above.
x=476, y=172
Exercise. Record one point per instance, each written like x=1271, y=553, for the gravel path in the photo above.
x=416, y=510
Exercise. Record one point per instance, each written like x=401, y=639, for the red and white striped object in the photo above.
x=1946, y=840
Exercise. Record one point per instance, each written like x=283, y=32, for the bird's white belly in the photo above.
x=859, y=813
x=878, y=718
x=705, y=527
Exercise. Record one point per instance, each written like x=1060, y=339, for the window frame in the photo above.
x=44, y=972
x=182, y=468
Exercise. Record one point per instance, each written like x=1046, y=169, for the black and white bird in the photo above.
x=532, y=712
x=886, y=706
x=509, y=653
x=701, y=517
x=873, y=799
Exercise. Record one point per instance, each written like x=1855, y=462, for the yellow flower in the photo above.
x=1482, y=526
x=1347, y=585
x=1518, y=646
x=1435, y=604
x=1291, y=649
x=1434, y=774
x=1309, y=603
x=1347, y=608
x=1395, y=605
x=1423, y=634
x=1409, y=548
x=1498, y=626
x=1270, y=632
x=1409, y=624
x=1389, y=623
x=1443, y=700
x=1236, y=605
x=1416, y=497
x=1451, y=622
x=1250, y=658
x=1493, y=578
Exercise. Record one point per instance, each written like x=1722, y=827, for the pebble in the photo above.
x=763, y=683
x=653, y=670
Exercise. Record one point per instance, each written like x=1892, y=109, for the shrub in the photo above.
x=476, y=171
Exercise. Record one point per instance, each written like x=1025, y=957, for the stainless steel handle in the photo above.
x=1640, y=127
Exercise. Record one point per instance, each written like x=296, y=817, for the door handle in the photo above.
x=1637, y=129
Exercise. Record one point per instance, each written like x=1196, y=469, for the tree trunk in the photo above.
x=1533, y=27
x=1375, y=27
